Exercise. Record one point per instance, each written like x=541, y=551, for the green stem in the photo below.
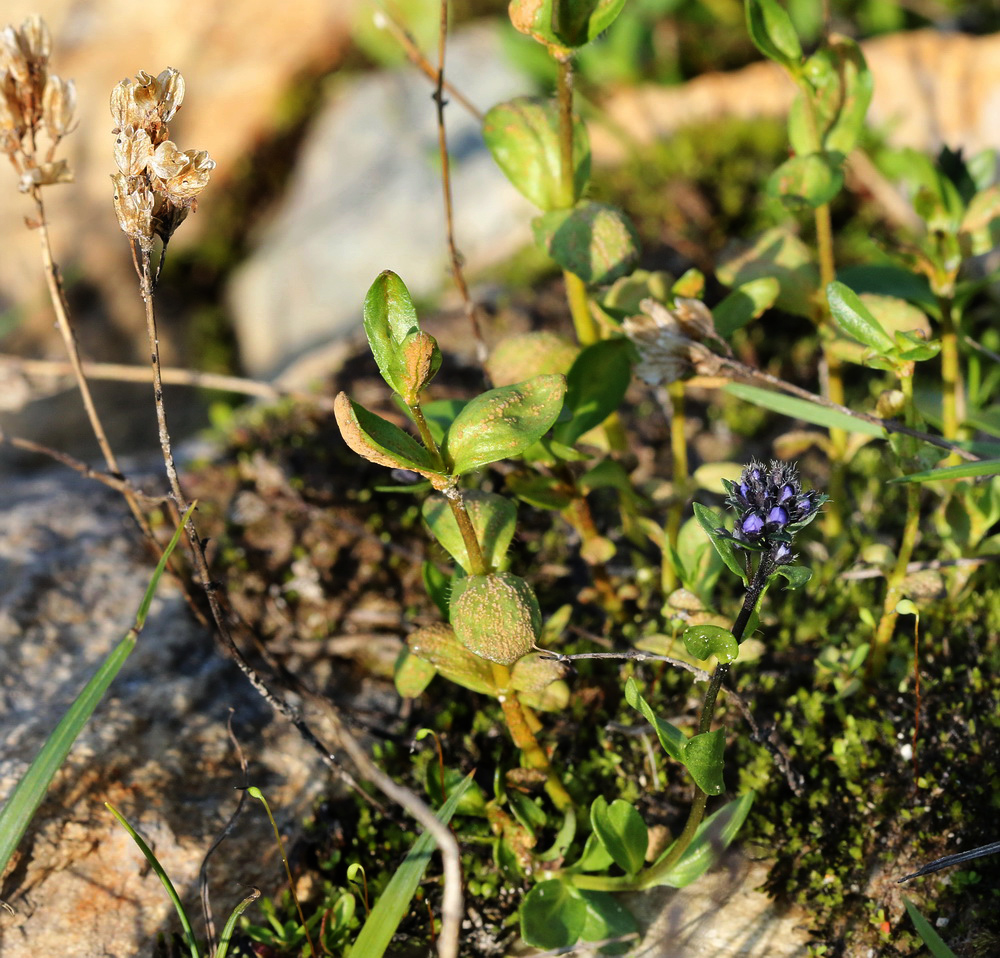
x=652, y=876
x=911, y=526
x=679, y=457
x=524, y=739
x=564, y=93
x=951, y=375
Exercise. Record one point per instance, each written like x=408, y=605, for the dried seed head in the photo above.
x=134, y=208
x=32, y=100
x=670, y=341
x=143, y=151
x=133, y=150
x=58, y=106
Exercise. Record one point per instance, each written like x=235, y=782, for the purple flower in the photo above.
x=752, y=524
x=777, y=516
x=771, y=505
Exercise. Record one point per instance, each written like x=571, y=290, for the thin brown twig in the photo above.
x=471, y=310
x=58, y=300
x=169, y=376
x=279, y=704
x=112, y=482
x=932, y=565
x=413, y=54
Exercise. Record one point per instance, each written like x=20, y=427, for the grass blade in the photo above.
x=391, y=906
x=931, y=938
x=800, y=409
x=164, y=879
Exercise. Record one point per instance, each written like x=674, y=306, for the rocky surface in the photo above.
x=71, y=578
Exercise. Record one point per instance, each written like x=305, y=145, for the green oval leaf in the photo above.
x=569, y=23
x=437, y=645
x=594, y=241
x=621, y=831
x=494, y=519
x=797, y=575
x=701, y=641
x=379, y=440
x=503, y=422
x=595, y=387
x=703, y=759
x=495, y=616
x=855, y=319
x=552, y=915
x=744, y=303
x=772, y=32
x=810, y=180
x=406, y=357
x=412, y=675
x=854, y=94
x=523, y=136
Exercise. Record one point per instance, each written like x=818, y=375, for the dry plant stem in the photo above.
x=452, y=899
x=279, y=704
x=449, y=220
x=69, y=340
x=112, y=482
x=66, y=331
x=121, y=372
x=748, y=373
x=409, y=46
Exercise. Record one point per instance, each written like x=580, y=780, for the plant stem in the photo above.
x=651, y=876
x=524, y=739
x=897, y=577
x=679, y=457
x=952, y=412
x=832, y=384
x=69, y=340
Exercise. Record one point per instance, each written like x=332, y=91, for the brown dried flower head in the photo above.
x=31, y=101
x=157, y=184
x=671, y=342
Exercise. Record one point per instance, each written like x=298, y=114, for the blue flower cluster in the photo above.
x=770, y=507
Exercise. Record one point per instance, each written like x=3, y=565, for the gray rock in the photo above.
x=71, y=578
x=367, y=196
